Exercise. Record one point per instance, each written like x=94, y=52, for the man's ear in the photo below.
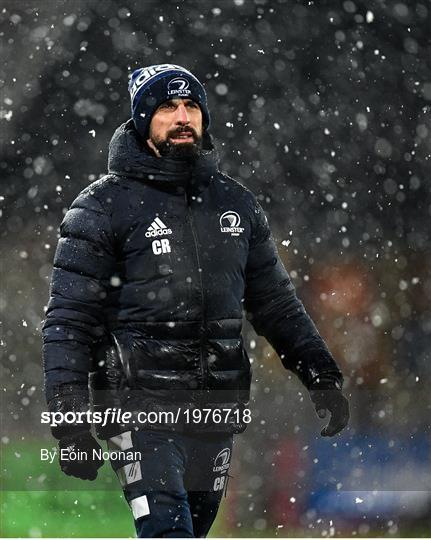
x=153, y=147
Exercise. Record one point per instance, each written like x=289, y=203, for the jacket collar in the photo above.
x=130, y=157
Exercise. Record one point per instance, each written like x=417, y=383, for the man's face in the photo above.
x=176, y=128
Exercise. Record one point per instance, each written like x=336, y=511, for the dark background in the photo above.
x=323, y=110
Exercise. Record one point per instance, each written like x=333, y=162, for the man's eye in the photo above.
x=192, y=104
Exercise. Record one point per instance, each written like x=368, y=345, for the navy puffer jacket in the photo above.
x=160, y=257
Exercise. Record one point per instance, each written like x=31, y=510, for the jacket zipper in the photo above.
x=203, y=329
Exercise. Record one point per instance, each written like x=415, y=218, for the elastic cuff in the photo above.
x=66, y=440
x=69, y=430
x=326, y=380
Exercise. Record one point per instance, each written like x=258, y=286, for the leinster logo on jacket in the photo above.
x=229, y=223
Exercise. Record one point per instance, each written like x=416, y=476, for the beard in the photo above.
x=179, y=150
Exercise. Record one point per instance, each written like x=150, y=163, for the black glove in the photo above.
x=325, y=393
x=80, y=447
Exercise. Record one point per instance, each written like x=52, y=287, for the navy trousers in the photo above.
x=173, y=482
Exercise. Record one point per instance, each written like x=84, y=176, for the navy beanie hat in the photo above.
x=150, y=86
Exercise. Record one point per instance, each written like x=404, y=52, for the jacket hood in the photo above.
x=129, y=156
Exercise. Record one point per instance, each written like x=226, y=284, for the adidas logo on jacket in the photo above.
x=157, y=228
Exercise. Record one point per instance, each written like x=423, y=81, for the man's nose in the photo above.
x=182, y=116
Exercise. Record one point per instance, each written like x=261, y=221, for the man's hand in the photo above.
x=76, y=456
x=326, y=394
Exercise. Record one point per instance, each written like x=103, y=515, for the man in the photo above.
x=155, y=263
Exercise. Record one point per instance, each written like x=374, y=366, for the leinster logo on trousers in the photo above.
x=221, y=462
x=221, y=465
x=229, y=223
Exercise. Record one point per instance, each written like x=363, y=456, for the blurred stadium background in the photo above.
x=321, y=108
